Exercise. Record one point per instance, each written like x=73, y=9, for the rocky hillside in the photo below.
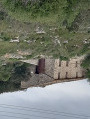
x=70, y=13
x=36, y=28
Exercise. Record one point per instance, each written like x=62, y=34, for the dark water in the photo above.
x=69, y=100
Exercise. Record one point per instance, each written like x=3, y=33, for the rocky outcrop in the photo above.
x=36, y=80
x=81, y=22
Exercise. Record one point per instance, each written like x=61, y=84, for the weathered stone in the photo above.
x=56, y=70
x=65, y=42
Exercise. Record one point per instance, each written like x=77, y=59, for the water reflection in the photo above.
x=40, y=72
x=71, y=97
x=9, y=86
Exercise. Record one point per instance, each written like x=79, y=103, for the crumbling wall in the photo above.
x=68, y=69
x=49, y=67
x=36, y=80
x=55, y=69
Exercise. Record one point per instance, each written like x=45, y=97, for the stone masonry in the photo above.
x=56, y=70
x=68, y=69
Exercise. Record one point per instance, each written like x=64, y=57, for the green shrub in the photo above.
x=5, y=37
x=2, y=15
x=9, y=86
x=43, y=7
x=13, y=70
x=5, y=71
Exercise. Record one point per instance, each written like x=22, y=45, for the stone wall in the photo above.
x=55, y=69
x=49, y=67
x=68, y=69
x=36, y=80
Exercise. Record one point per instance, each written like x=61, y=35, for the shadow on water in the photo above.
x=9, y=86
x=88, y=80
x=12, y=87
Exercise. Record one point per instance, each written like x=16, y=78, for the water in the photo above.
x=51, y=102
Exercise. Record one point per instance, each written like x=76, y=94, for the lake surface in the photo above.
x=68, y=100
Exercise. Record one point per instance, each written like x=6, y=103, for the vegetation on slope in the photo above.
x=13, y=71
x=68, y=18
x=9, y=86
x=5, y=71
x=62, y=11
x=67, y=32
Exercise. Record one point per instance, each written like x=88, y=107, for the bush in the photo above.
x=9, y=86
x=42, y=7
x=5, y=37
x=5, y=71
x=88, y=30
x=13, y=71
x=2, y=15
x=20, y=72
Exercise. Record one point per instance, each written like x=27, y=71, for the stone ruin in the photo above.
x=49, y=70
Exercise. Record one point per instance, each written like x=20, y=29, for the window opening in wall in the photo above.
x=76, y=74
x=76, y=63
x=67, y=62
x=66, y=75
x=59, y=75
x=59, y=63
x=41, y=66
